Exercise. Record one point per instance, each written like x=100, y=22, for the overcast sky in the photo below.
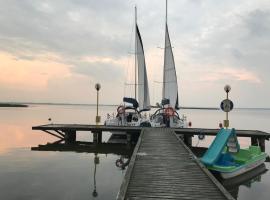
x=55, y=51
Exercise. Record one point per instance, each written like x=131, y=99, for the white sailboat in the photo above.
x=167, y=115
x=129, y=114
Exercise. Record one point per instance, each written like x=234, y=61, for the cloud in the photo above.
x=99, y=71
x=29, y=74
x=238, y=38
x=66, y=27
x=231, y=74
x=91, y=40
x=257, y=22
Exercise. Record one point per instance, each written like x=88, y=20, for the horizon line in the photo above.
x=105, y=104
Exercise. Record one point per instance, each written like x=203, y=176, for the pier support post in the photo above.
x=262, y=144
x=128, y=139
x=99, y=137
x=70, y=136
x=188, y=140
x=254, y=141
x=95, y=137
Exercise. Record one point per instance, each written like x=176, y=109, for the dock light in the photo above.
x=97, y=86
x=227, y=88
x=226, y=105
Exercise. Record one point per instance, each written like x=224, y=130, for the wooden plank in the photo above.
x=213, y=132
x=86, y=127
x=163, y=167
x=122, y=192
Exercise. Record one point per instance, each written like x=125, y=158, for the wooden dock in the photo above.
x=67, y=132
x=163, y=167
x=100, y=128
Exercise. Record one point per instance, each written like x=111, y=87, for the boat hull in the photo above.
x=230, y=165
x=242, y=169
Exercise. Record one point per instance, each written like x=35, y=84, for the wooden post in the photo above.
x=95, y=137
x=99, y=137
x=254, y=141
x=70, y=136
x=128, y=138
x=188, y=140
x=262, y=144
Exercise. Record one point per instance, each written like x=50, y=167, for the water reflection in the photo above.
x=122, y=151
x=51, y=174
x=87, y=147
x=247, y=180
x=96, y=161
x=122, y=162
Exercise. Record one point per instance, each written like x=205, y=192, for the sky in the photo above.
x=55, y=51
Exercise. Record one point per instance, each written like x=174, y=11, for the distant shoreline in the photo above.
x=13, y=105
x=27, y=104
x=193, y=108
x=199, y=108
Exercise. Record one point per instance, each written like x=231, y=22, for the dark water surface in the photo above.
x=26, y=174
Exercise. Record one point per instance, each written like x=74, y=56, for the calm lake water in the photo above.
x=26, y=174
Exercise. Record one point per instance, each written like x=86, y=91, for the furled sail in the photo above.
x=170, y=87
x=143, y=91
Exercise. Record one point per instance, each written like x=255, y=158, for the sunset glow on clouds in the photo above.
x=233, y=74
x=48, y=48
x=29, y=75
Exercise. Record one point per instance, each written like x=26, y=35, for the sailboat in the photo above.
x=129, y=114
x=167, y=115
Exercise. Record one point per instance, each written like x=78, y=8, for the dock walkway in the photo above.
x=162, y=167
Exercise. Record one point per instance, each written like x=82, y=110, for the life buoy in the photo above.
x=201, y=136
x=119, y=163
x=121, y=110
x=169, y=111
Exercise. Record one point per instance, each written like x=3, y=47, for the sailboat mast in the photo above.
x=166, y=12
x=165, y=46
x=170, y=87
x=135, y=57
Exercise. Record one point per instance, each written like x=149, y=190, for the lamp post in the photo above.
x=227, y=105
x=227, y=89
x=97, y=86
